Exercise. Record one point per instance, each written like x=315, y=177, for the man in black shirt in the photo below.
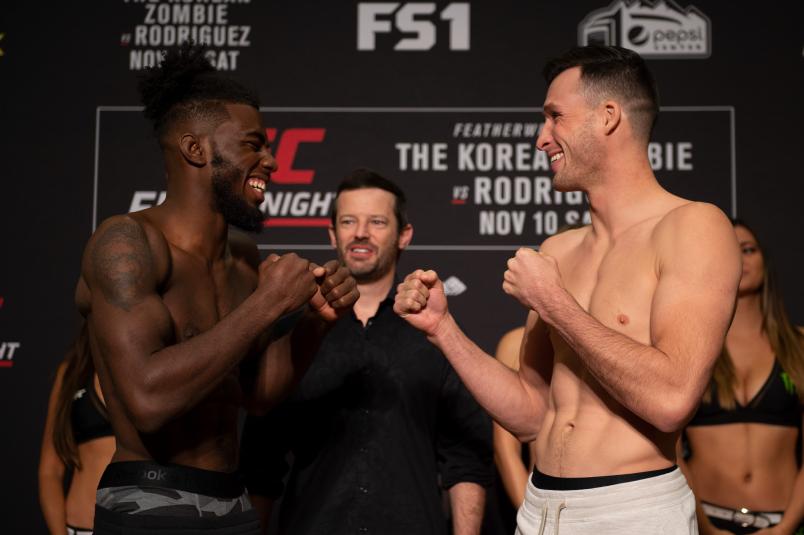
x=380, y=414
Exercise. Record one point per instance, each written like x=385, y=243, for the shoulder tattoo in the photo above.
x=122, y=263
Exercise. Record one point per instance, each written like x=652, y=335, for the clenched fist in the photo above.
x=287, y=280
x=337, y=290
x=533, y=279
x=421, y=301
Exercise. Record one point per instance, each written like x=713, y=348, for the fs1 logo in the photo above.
x=411, y=18
x=282, y=207
x=660, y=30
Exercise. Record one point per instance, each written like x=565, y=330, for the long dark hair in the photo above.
x=785, y=339
x=79, y=372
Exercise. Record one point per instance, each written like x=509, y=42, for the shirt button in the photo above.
x=364, y=490
x=363, y=530
x=363, y=450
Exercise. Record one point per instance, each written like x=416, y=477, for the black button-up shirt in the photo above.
x=378, y=416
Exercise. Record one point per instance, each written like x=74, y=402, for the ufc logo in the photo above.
x=374, y=18
x=286, y=147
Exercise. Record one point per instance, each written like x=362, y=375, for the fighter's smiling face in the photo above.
x=569, y=136
x=366, y=233
x=242, y=164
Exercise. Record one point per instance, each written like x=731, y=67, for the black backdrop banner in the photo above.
x=443, y=97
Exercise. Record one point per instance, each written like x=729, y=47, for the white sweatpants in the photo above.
x=660, y=505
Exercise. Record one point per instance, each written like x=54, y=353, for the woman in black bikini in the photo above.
x=77, y=439
x=743, y=465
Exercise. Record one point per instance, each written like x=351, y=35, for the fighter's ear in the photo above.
x=192, y=150
x=612, y=115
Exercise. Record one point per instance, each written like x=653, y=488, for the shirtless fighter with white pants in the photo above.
x=626, y=316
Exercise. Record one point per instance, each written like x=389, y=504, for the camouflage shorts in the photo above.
x=168, y=502
x=154, y=489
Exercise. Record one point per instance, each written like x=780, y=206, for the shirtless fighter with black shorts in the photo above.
x=183, y=315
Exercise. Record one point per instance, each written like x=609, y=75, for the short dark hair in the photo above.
x=363, y=178
x=613, y=71
x=185, y=85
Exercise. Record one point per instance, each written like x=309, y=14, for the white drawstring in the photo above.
x=544, y=519
x=558, y=513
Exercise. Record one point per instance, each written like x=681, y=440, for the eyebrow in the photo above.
x=258, y=134
x=549, y=108
x=381, y=216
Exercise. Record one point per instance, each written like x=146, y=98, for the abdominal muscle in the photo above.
x=586, y=433
x=205, y=437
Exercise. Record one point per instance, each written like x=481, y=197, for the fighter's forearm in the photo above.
x=174, y=379
x=642, y=378
x=497, y=388
x=285, y=361
x=467, y=501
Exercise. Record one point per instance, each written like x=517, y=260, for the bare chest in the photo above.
x=616, y=285
x=198, y=294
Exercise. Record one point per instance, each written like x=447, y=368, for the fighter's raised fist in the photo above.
x=421, y=301
x=337, y=290
x=532, y=279
x=287, y=279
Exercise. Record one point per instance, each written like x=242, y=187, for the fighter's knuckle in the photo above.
x=336, y=293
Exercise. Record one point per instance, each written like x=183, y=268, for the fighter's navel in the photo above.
x=622, y=319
